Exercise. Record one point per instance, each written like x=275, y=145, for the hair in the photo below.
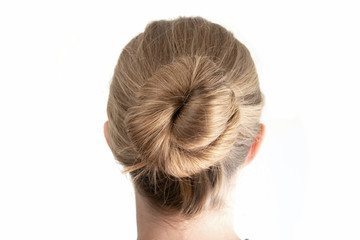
x=183, y=109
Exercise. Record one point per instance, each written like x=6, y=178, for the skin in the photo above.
x=210, y=225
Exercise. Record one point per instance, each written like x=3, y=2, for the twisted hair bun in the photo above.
x=185, y=118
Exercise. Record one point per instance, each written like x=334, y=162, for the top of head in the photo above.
x=185, y=116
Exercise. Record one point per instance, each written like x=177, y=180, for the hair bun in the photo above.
x=185, y=118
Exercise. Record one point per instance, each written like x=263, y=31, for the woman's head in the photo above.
x=184, y=109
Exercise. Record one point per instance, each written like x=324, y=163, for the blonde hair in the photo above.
x=184, y=109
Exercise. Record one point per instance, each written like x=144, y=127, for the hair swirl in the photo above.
x=185, y=119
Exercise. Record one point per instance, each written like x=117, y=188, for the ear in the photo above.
x=106, y=133
x=255, y=146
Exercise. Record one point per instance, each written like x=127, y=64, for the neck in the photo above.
x=211, y=225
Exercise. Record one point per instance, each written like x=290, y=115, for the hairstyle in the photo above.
x=183, y=109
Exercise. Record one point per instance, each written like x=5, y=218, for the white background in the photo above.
x=58, y=179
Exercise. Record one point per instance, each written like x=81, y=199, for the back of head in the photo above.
x=184, y=108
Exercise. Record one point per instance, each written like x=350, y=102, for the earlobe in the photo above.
x=106, y=133
x=256, y=145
